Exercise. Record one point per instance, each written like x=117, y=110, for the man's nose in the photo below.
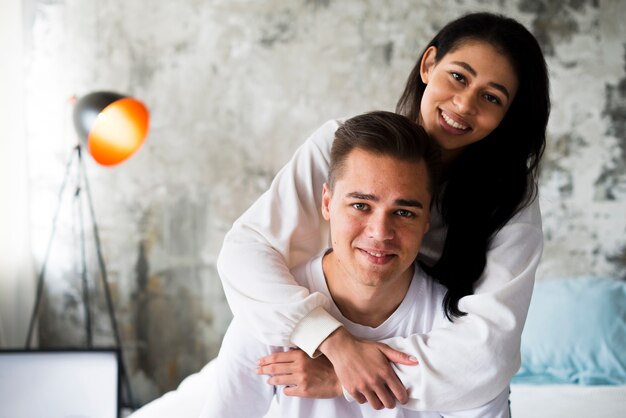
x=380, y=227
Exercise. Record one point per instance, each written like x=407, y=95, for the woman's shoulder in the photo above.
x=325, y=134
x=530, y=214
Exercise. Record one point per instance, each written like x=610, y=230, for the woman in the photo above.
x=480, y=88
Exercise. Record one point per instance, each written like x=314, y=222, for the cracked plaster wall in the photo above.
x=233, y=88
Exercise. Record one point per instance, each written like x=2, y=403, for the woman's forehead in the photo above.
x=484, y=60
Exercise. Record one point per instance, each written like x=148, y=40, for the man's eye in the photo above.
x=405, y=213
x=359, y=206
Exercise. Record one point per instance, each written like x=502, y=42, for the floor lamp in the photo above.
x=113, y=127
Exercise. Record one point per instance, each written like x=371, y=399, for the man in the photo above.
x=383, y=176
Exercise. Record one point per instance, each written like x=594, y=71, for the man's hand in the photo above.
x=363, y=369
x=301, y=375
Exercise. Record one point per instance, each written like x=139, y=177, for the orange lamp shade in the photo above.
x=113, y=126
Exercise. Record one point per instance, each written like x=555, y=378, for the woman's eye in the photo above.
x=359, y=206
x=492, y=99
x=458, y=77
x=405, y=213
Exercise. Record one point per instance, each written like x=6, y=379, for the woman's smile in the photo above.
x=468, y=92
x=454, y=125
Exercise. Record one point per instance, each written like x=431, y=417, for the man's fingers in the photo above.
x=281, y=380
x=292, y=391
x=275, y=369
x=281, y=357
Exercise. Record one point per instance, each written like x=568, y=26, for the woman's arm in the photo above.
x=232, y=379
x=463, y=364
x=281, y=229
x=466, y=363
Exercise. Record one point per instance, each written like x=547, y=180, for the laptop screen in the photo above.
x=60, y=383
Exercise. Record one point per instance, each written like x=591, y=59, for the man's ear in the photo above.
x=326, y=196
x=428, y=63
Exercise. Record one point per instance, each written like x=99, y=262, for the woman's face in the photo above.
x=468, y=93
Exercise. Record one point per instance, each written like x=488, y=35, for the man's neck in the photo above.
x=362, y=304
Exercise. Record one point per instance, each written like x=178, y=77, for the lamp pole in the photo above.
x=114, y=126
x=82, y=182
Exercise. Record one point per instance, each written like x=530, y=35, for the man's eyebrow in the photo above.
x=362, y=196
x=473, y=72
x=373, y=198
x=412, y=203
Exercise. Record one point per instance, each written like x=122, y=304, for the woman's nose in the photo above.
x=465, y=102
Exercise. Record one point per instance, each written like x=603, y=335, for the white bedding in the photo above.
x=568, y=401
x=527, y=401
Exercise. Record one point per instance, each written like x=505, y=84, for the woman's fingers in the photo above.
x=373, y=399
x=364, y=366
x=364, y=370
x=399, y=357
x=398, y=391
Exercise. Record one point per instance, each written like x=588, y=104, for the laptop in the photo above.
x=60, y=383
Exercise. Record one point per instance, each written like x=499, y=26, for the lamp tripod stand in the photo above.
x=82, y=189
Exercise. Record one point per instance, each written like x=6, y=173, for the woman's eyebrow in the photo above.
x=473, y=72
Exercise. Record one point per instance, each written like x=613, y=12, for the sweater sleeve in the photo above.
x=235, y=391
x=466, y=363
x=281, y=229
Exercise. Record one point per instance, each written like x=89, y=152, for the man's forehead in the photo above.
x=371, y=175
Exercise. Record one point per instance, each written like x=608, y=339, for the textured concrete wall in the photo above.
x=234, y=87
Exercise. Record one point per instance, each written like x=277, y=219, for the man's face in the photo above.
x=378, y=213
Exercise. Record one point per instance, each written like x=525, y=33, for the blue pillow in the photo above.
x=575, y=333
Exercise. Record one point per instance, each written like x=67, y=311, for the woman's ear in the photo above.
x=428, y=63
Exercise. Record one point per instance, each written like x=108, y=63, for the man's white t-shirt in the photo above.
x=240, y=393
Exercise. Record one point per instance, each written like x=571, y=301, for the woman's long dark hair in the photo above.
x=495, y=177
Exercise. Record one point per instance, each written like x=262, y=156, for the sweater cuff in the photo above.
x=313, y=329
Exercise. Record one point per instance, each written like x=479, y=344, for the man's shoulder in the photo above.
x=429, y=287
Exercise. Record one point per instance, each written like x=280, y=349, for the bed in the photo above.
x=567, y=401
x=573, y=351
x=573, y=357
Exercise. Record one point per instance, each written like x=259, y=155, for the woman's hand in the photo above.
x=363, y=369
x=301, y=375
